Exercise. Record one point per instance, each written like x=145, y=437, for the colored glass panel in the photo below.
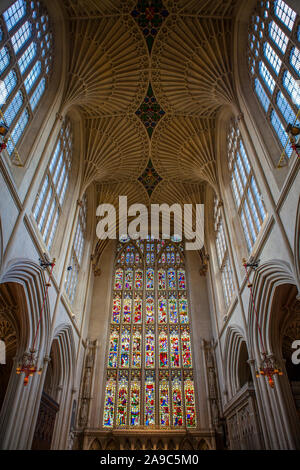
x=183, y=310
x=137, y=309
x=174, y=350
x=177, y=405
x=135, y=403
x=138, y=283
x=116, y=310
x=119, y=279
x=127, y=302
x=150, y=309
x=122, y=402
x=109, y=403
x=150, y=279
x=181, y=279
x=162, y=310
x=163, y=350
x=124, y=350
x=190, y=412
x=149, y=402
x=173, y=313
x=150, y=349
x=186, y=349
x=164, y=404
x=136, y=357
x=128, y=279
x=113, y=349
x=171, y=279
x=161, y=279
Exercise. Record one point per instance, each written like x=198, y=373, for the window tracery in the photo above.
x=274, y=64
x=223, y=255
x=244, y=187
x=25, y=63
x=76, y=256
x=50, y=198
x=149, y=362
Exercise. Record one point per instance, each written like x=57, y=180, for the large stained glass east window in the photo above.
x=149, y=378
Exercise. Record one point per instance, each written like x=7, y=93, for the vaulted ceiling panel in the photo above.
x=117, y=149
x=183, y=149
x=108, y=67
x=191, y=66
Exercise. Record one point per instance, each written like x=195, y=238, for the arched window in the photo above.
x=25, y=64
x=222, y=254
x=51, y=195
x=149, y=378
x=245, y=190
x=274, y=64
x=77, y=252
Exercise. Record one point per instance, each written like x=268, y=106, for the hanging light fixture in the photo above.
x=28, y=364
x=268, y=367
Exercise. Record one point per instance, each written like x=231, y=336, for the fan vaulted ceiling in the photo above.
x=149, y=77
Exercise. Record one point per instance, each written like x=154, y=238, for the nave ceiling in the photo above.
x=149, y=78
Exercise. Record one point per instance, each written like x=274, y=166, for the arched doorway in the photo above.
x=291, y=333
x=49, y=405
x=21, y=295
x=241, y=412
x=8, y=338
x=54, y=423
x=276, y=302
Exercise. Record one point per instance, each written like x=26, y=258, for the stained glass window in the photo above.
x=25, y=59
x=274, y=65
x=150, y=346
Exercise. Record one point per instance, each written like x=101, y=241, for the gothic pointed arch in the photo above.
x=160, y=445
x=22, y=290
x=96, y=445
x=186, y=444
x=203, y=445
x=235, y=344
x=138, y=445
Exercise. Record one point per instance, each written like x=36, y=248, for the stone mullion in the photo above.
x=248, y=187
x=13, y=65
x=255, y=202
x=44, y=197
x=284, y=66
